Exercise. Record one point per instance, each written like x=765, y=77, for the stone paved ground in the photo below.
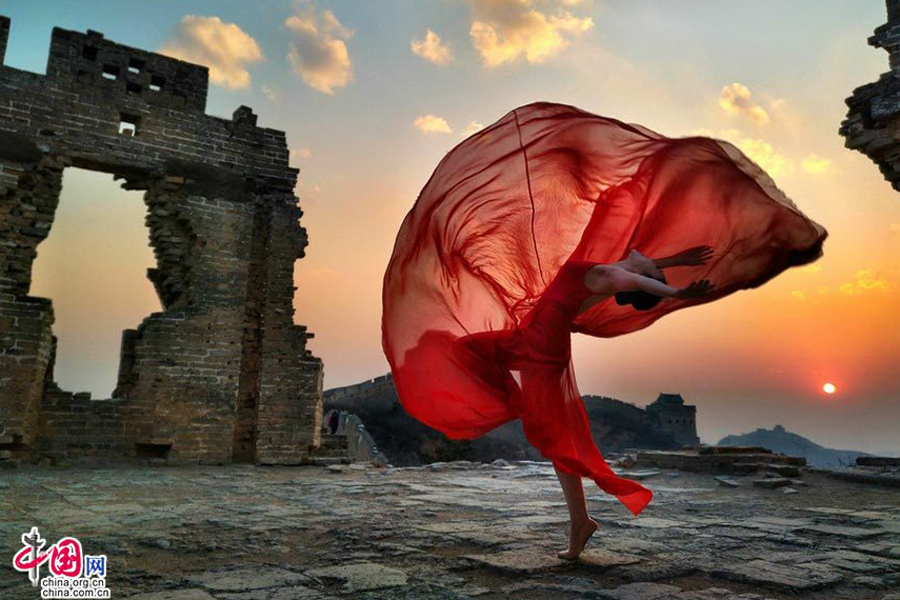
x=451, y=532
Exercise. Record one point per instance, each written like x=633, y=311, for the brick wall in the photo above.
x=221, y=373
x=873, y=116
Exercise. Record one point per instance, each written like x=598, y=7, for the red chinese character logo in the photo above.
x=29, y=559
x=66, y=558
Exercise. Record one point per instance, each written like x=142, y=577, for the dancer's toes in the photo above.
x=578, y=537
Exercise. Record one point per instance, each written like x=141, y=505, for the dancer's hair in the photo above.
x=640, y=299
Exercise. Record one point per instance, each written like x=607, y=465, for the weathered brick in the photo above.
x=221, y=373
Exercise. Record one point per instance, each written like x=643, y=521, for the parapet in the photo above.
x=116, y=70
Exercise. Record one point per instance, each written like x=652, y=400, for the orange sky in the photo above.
x=370, y=125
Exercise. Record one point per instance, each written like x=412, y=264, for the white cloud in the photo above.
x=504, y=31
x=223, y=47
x=432, y=49
x=318, y=52
x=815, y=164
x=736, y=99
x=432, y=124
x=472, y=127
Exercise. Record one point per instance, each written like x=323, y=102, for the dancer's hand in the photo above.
x=698, y=255
x=695, y=290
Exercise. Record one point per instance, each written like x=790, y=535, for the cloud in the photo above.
x=472, y=127
x=736, y=99
x=432, y=49
x=301, y=152
x=223, y=47
x=865, y=280
x=432, y=124
x=318, y=52
x=894, y=227
x=271, y=93
x=759, y=151
x=762, y=153
x=815, y=164
x=504, y=31
x=798, y=295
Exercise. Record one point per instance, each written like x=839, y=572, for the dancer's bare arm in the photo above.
x=607, y=279
x=697, y=255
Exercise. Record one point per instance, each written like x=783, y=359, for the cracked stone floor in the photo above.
x=451, y=531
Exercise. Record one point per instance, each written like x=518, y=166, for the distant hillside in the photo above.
x=782, y=441
x=615, y=426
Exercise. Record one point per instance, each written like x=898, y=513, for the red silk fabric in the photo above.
x=481, y=291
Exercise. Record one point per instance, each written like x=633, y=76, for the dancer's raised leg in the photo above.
x=581, y=525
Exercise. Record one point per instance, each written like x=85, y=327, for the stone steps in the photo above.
x=333, y=450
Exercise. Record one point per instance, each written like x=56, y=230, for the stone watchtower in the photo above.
x=222, y=373
x=676, y=418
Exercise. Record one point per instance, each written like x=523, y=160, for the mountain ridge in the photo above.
x=779, y=440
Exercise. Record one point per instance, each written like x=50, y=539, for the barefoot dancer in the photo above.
x=525, y=233
x=636, y=280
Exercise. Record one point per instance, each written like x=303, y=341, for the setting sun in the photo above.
x=829, y=388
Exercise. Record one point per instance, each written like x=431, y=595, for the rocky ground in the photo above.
x=451, y=531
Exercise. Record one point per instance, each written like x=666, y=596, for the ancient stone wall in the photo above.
x=378, y=393
x=616, y=426
x=221, y=373
x=872, y=125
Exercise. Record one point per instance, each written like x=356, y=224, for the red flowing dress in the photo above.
x=482, y=291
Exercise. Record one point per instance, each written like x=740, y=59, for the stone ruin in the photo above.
x=872, y=125
x=222, y=374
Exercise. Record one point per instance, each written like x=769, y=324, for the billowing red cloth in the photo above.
x=474, y=331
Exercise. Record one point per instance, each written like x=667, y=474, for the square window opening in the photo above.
x=89, y=52
x=110, y=72
x=135, y=65
x=133, y=87
x=157, y=82
x=128, y=124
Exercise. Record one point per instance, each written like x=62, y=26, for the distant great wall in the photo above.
x=666, y=423
x=372, y=393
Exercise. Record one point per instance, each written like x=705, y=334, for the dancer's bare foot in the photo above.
x=578, y=536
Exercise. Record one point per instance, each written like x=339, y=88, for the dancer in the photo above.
x=526, y=232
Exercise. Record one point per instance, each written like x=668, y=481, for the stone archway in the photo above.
x=222, y=372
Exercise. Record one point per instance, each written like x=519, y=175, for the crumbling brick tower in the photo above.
x=872, y=125
x=222, y=373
